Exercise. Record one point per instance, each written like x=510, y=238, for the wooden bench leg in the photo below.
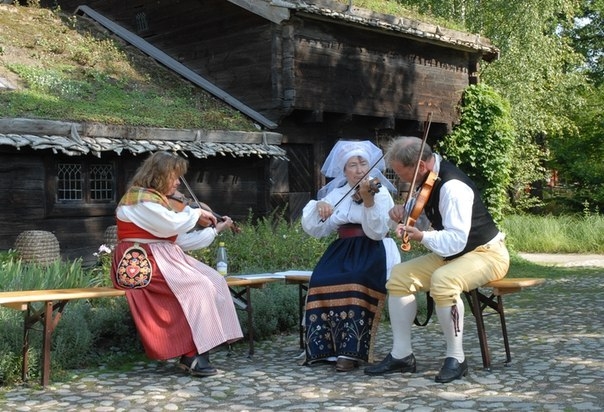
x=49, y=317
x=48, y=327
x=504, y=331
x=245, y=303
x=473, y=299
x=26, y=328
x=302, y=289
x=479, y=302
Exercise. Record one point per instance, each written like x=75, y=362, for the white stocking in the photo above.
x=452, y=329
x=402, y=310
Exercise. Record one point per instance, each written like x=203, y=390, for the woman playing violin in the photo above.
x=467, y=251
x=180, y=306
x=347, y=287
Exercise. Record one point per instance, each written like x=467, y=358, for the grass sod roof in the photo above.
x=57, y=66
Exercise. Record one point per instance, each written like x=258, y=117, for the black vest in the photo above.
x=483, y=227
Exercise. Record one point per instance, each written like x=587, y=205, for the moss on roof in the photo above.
x=62, y=67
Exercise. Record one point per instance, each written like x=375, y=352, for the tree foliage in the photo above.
x=587, y=38
x=579, y=157
x=542, y=72
x=482, y=145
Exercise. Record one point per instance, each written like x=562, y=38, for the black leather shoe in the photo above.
x=451, y=370
x=197, y=365
x=391, y=365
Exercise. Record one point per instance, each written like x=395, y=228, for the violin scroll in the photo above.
x=374, y=187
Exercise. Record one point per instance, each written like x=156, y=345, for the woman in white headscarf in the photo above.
x=347, y=288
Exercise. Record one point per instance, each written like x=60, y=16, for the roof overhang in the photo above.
x=76, y=139
x=280, y=10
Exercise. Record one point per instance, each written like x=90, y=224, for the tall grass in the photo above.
x=555, y=234
x=18, y=275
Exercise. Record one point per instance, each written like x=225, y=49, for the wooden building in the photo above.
x=320, y=70
x=66, y=178
x=314, y=72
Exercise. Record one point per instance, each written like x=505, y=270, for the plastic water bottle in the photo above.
x=222, y=260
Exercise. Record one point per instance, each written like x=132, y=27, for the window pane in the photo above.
x=101, y=182
x=69, y=185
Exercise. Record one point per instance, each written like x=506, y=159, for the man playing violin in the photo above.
x=467, y=251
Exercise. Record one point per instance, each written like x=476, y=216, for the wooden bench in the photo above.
x=55, y=300
x=480, y=300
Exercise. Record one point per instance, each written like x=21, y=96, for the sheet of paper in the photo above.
x=295, y=273
x=257, y=276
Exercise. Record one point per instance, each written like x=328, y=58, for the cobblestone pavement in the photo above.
x=556, y=333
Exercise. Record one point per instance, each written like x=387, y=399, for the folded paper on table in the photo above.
x=257, y=276
x=295, y=273
x=276, y=275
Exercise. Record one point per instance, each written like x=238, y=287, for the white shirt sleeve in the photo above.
x=374, y=220
x=162, y=222
x=455, y=206
x=197, y=239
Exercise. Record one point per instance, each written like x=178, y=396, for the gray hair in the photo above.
x=405, y=150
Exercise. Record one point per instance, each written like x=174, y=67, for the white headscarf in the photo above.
x=340, y=154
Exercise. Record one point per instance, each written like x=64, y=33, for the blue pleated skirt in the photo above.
x=345, y=300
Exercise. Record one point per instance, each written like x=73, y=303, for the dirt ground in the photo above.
x=566, y=260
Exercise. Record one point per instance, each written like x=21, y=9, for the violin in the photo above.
x=421, y=195
x=419, y=200
x=179, y=201
x=374, y=187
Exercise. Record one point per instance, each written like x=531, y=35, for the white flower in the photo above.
x=103, y=249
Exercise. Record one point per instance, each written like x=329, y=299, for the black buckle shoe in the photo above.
x=451, y=370
x=391, y=365
x=197, y=365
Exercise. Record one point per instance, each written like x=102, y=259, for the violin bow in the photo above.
x=200, y=205
x=186, y=184
x=203, y=206
x=421, y=150
x=415, y=173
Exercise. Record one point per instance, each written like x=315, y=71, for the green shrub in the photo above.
x=268, y=244
x=482, y=145
x=11, y=343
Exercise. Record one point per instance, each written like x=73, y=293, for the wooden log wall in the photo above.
x=364, y=72
x=231, y=186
